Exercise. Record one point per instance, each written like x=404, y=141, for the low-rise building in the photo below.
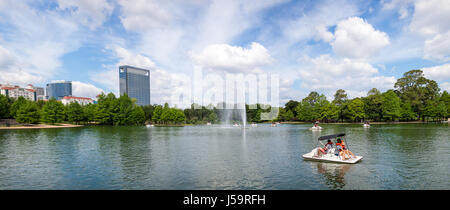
x=81, y=100
x=40, y=93
x=14, y=91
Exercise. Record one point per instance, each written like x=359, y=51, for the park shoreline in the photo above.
x=38, y=126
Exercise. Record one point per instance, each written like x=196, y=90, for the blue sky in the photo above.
x=313, y=45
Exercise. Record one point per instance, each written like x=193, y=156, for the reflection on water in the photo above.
x=412, y=156
x=333, y=173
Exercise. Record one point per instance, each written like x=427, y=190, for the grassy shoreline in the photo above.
x=37, y=126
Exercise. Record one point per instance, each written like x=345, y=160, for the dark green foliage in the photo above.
x=417, y=90
x=75, y=113
x=28, y=113
x=4, y=107
x=391, y=106
x=16, y=106
x=356, y=110
x=53, y=112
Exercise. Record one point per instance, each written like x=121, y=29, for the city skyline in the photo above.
x=314, y=46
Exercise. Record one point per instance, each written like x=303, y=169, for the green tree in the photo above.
x=391, y=106
x=373, y=103
x=441, y=110
x=417, y=90
x=407, y=112
x=179, y=116
x=122, y=109
x=312, y=107
x=75, y=113
x=157, y=114
x=105, y=110
x=137, y=116
x=53, y=112
x=356, y=109
x=148, y=110
x=329, y=112
x=305, y=111
x=212, y=117
x=340, y=100
x=89, y=112
x=281, y=114
x=445, y=97
x=4, y=106
x=435, y=110
x=16, y=106
x=28, y=113
x=292, y=105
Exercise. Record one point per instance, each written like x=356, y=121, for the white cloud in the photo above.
x=11, y=71
x=438, y=73
x=430, y=21
x=81, y=89
x=233, y=58
x=445, y=86
x=438, y=48
x=142, y=15
x=429, y=17
x=326, y=74
x=314, y=23
x=90, y=13
x=355, y=38
x=138, y=60
x=224, y=20
x=36, y=38
x=323, y=34
x=6, y=58
x=167, y=30
x=403, y=7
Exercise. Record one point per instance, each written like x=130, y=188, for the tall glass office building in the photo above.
x=136, y=83
x=59, y=89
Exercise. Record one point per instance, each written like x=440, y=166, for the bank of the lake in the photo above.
x=39, y=126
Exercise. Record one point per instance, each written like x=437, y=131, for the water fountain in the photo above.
x=229, y=116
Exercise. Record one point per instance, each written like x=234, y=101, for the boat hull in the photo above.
x=332, y=158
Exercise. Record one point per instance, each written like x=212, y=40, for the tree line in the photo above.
x=108, y=111
x=414, y=98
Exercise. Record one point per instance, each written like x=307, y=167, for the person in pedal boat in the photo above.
x=343, y=151
x=325, y=149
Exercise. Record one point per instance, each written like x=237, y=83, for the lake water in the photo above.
x=406, y=156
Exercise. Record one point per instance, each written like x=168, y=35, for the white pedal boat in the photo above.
x=366, y=126
x=330, y=156
x=317, y=128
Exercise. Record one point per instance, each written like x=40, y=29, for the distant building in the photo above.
x=136, y=83
x=14, y=91
x=58, y=89
x=81, y=100
x=40, y=93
